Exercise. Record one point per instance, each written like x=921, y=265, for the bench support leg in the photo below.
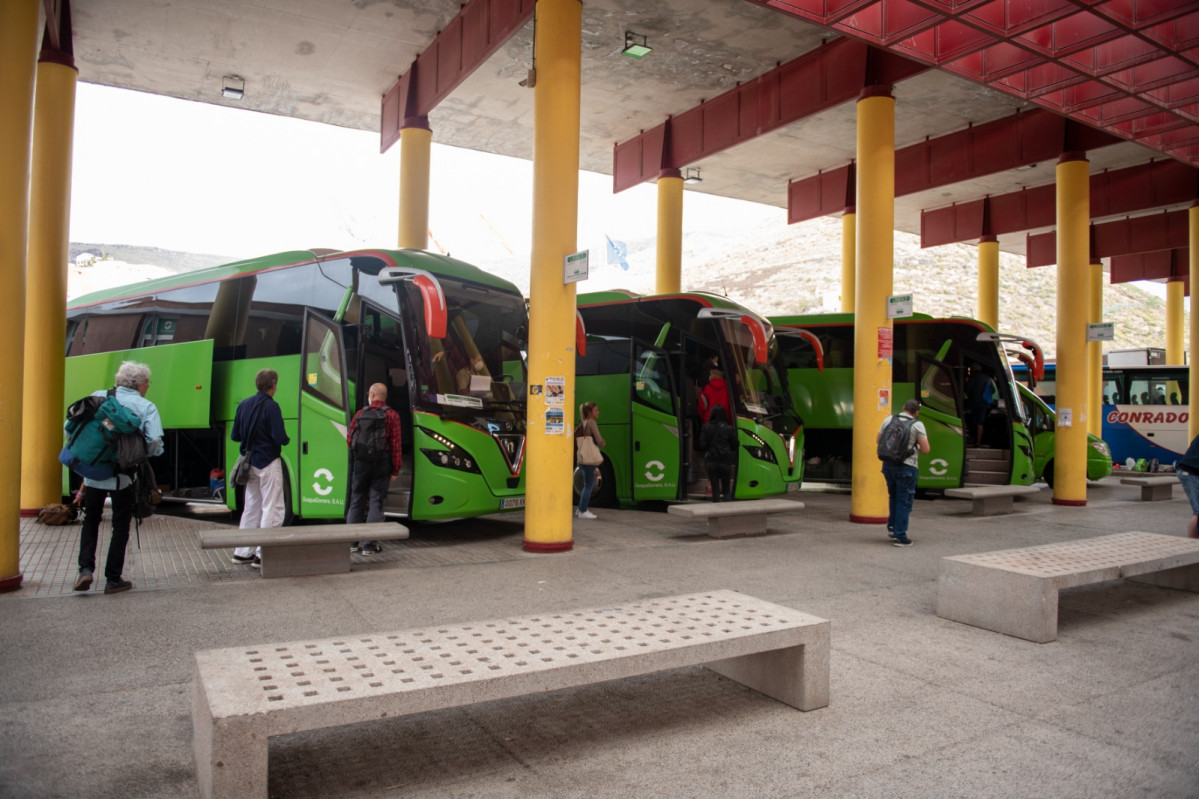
x=230, y=755
x=995, y=599
x=796, y=676
x=993, y=506
x=729, y=526
x=1183, y=578
x=305, y=559
x=1155, y=493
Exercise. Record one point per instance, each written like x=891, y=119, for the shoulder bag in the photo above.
x=588, y=452
x=241, y=469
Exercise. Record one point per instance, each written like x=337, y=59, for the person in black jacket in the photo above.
x=718, y=442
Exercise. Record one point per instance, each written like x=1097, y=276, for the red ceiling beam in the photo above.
x=1142, y=234
x=826, y=77
x=1160, y=265
x=1104, y=63
x=1122, y=191
x=478, y=30
x=1003, y=144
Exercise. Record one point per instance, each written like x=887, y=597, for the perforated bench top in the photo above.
x=1090, y=556
x=447, y=665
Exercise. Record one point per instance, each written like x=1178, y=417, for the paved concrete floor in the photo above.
x=95, y=691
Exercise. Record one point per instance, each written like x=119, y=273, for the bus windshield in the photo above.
x=477, y=373
x=758, y=392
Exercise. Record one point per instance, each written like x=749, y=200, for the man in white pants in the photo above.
x=258, y=426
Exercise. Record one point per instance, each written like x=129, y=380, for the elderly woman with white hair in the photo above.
x=132, y=383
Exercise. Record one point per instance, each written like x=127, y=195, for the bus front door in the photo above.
x=941, y=412
x=381, y=359
x=322, y=472
x=655, y=462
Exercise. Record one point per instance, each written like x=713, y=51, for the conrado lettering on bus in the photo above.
x=1149, y=417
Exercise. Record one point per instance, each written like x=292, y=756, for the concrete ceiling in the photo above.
x=330, y=61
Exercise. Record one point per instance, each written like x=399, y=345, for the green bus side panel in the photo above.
x=941, y=466
x=654, y=467
x=180, y=384
x=823, y=399
x=611, y=394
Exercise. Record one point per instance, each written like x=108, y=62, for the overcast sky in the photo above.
x=168, y=173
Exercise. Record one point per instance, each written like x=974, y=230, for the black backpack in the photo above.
x=894, y=443
x=369, y=442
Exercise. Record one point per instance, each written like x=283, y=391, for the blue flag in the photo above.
x=618, y=252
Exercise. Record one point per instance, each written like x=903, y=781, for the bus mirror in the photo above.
x=431, y=294
x=757, y=328
x=580, y=335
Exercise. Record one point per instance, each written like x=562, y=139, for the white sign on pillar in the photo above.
x=899, y=306
x=575, y=267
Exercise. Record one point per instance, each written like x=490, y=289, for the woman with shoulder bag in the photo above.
x=588, y=442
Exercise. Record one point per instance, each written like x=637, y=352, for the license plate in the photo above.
x=512, y=502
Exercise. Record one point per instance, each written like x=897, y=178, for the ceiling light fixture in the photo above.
x=233, y=87
x=635, y=46
x=692, y=175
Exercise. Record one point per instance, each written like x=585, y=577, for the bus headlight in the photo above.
x=1100, y=446
x=452, y=457
x=759, y=450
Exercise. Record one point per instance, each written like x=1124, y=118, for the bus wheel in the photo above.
x=604, y=493
x=1047, y=475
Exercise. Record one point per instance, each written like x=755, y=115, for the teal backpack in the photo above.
x=94, y=426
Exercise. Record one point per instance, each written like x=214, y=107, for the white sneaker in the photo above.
x=587, y=515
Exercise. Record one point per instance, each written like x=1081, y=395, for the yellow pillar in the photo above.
x=670, y=232
x=875, y=203
x=18, y=57
x=988, y=281
x=1073, y=256
x=1193, y=328
x=1174, y=322
x=46, y=285
x=1095, y=351
x=848, y=261
x=415, y=147
x=549, y=490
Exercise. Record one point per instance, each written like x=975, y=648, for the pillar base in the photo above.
x=867, y=519
x=11, y=583
x=1076, y=503
x=546, y=548
x=27, y=513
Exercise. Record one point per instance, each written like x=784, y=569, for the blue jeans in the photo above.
x=1190, y=484
x=901, y=489
x=589, y=473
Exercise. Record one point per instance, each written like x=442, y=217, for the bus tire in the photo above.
x=604, y=494
x=1047, y=474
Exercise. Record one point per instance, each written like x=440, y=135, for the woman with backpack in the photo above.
x=132, y=383
x=718, y=442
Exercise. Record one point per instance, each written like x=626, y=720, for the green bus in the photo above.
x=930, y=359
x=446, y=338
x=642, y=365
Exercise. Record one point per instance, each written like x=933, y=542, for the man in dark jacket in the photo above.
x=372, y=468
x=258, y=426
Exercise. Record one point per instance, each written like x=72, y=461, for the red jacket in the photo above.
x=716, y=392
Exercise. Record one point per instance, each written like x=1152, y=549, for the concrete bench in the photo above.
x=299, y=551
x=244, y=695
x=1015, y=591
x=991, y=500
x=740, y=517
x=1153, y=488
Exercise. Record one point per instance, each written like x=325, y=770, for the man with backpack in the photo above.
x=374, y=441
x=718, y=442
x=132, y=383
x=258, y=426
x=901, y=440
